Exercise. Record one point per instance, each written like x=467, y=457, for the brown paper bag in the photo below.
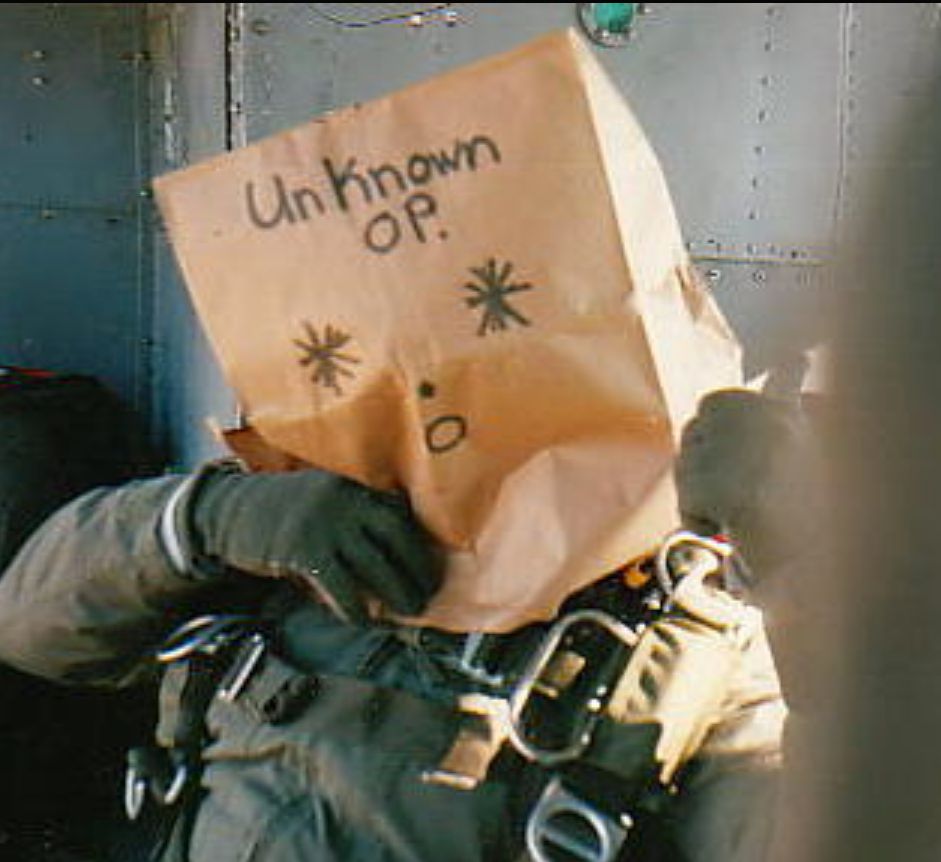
x=474, y=289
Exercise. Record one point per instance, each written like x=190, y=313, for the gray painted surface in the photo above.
x=76, y=283
x=740, y=100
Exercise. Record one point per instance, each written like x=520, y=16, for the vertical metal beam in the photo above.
x=236, y=120
x=189, y=43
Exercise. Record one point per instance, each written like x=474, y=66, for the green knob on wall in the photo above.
x=608, y=24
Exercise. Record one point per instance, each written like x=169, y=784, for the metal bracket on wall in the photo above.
x=359, y=15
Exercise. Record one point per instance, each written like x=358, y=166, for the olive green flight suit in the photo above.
x=337, y=776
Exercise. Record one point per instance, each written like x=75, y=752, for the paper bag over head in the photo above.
x=474, y=289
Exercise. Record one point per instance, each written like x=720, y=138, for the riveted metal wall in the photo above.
x=770, y=121
x=741, y=102
x=74, y=256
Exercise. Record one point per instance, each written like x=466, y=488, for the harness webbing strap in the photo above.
x=271, y=694
x=185, y=693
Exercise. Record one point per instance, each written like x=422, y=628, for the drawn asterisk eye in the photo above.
x=324, y=354
x=490, y=292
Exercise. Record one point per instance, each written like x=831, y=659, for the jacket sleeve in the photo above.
x=93, y=590
x=726, y=809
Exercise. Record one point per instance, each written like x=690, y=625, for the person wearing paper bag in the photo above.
x=295, y=724
x=100, y=585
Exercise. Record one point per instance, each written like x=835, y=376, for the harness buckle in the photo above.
x=569, y=687
x=155, y=771
x=135, y=793
x=685, y=565
x=206, y=635
x=195, y=654
x=563, y=826
x=470, y=663
x=249, y=655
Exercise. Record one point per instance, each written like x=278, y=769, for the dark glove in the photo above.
x=318, y=530
x=748, y=467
